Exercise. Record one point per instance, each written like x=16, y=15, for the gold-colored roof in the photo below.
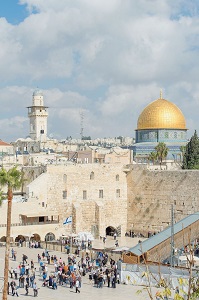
x=161, y=113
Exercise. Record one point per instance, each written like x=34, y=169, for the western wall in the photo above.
x=151, y=193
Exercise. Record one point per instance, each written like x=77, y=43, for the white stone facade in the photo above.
x=95, y=195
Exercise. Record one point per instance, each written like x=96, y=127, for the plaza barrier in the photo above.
x=141, y=275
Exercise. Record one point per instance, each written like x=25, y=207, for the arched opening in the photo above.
x=3, y=239
x=110, y=230
x=92, y=176
x=65, y=178
x=35, y=237
x=20, y=237
x=49, y=237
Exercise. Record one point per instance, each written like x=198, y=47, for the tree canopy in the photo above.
x=11, y=178
x=162, y=151
x=191, y=155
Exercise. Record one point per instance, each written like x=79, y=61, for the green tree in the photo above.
x=12, y=179
x=162, y=151
x=191, y=156
x=153, y=156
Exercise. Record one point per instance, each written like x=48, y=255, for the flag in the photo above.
x=68, y=220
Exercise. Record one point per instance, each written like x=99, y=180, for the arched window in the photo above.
x=49, y=237
x=92, y=175
x=117, y=177
x=65, y=178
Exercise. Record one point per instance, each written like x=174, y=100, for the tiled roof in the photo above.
x=2, y=143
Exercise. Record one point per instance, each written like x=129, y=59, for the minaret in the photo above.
x=38, y=115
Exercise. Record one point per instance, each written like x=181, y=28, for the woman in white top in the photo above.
x=77, y=286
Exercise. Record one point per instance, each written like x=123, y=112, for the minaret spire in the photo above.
x=161, y=94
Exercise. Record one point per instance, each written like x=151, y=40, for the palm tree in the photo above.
x=12, y=179
x=152, y=157
x=162, y=152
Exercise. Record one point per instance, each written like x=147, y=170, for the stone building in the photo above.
x=94, y=195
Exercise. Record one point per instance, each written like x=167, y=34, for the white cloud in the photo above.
x=109, y=58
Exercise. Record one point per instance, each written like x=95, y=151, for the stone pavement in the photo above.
x=87, y=290
x=122, y=241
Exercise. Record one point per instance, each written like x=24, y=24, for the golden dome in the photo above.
x=161, y=113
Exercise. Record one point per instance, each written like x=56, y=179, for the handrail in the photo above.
x=32, y=223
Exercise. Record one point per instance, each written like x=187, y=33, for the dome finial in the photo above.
x=161, y=94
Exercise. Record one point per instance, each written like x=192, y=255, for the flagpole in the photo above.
x=71, y=241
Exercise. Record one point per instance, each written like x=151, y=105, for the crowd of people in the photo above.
x=53, y=271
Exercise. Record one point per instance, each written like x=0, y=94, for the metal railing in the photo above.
x=32, y=223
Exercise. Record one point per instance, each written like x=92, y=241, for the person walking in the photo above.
x=77, y=286
x=26, y=288
x=35, y=289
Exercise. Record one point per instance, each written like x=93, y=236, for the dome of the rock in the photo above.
x=161, y=113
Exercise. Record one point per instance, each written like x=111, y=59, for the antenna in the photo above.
x=81, y=124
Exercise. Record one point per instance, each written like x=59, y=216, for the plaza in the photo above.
x=88, y=291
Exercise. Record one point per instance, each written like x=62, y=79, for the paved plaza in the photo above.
x=63, y=292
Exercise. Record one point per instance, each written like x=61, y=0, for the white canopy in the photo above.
x=121, y=249
x=85, y=236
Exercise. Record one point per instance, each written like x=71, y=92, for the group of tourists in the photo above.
x=55, y=272
x=24, y=273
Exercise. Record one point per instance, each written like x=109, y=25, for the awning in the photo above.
x=38, y=214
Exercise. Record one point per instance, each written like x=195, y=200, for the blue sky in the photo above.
x=108, y=59
x=12, y=11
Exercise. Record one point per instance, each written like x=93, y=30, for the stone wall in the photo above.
x=151, y=193
x=83, y=196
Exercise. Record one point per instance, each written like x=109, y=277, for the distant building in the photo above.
x=6, y=150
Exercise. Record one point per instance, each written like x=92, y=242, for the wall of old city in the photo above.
x=151, y=193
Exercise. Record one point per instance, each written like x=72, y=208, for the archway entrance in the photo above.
x=35, y=237
x=3, y=239
x=20, y=238
x=110, y=230
x=49, y=237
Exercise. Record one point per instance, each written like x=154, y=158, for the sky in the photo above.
x=105, y=60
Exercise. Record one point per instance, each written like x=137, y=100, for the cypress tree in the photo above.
x=191, y=156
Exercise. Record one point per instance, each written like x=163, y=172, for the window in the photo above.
x=41, y=219
x=92, y=175
x=118, y=193
x=84, y=195
x=101, y=194
x=117, y=177
x=65, y=178
x=64, y=194
x=42, y=204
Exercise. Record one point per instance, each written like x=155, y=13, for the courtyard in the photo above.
x=63, y=292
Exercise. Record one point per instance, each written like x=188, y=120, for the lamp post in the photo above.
x=172, y=237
